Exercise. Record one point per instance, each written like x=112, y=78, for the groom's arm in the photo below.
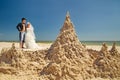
x=18, y=27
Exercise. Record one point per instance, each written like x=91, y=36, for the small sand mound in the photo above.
x=19, y=62
x=114, y=50
x=106, y=65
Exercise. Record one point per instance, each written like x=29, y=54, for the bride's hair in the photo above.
x=28, y=22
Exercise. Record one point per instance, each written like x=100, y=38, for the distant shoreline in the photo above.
x=109, y=43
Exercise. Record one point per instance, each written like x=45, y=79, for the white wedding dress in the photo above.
x=30, y=38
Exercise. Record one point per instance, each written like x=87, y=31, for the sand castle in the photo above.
x=66, y=59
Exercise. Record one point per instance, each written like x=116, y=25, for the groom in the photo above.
x=22, y=28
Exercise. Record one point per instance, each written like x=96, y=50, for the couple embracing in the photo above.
x=26, y=35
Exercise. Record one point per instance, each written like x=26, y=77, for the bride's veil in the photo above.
x=32, y=30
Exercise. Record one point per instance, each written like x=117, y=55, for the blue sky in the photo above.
x=93, y=19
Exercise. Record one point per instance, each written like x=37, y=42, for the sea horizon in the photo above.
x=86, y=42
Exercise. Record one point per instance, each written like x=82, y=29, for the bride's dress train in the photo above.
x=30, y=38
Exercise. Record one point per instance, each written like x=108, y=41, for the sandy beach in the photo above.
x=23, y=76
x=47, y=45
x=9, y=44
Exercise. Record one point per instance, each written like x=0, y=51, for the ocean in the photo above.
x=101, y=42
x=109, y=43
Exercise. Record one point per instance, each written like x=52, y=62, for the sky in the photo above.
x=92, y=19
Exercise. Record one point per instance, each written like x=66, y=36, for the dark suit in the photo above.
x=21, y=34
x=20, y=27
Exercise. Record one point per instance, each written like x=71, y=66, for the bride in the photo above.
x=30, y=37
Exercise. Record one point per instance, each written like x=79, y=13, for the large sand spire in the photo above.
x=67, y=55
x=67, y=41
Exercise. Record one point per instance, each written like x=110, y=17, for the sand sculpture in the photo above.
x=66, y=59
